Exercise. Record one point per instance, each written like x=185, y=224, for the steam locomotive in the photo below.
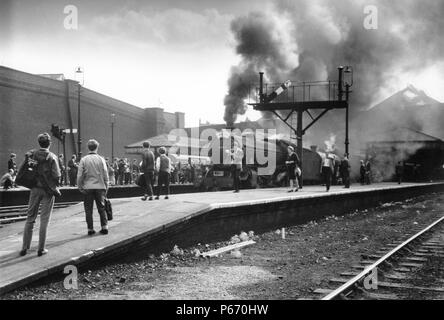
x=219, y=175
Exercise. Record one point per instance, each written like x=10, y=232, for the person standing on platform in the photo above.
x=399, y=170
x=116, y=171
x=236, y=165
x=362, y=171
x=135, y=170
x=43, y=194
x=163, y=166
x=292, y=167
x=110, y=171
x=368, y=172
x=345, y=171
x=327, y=169
x=12, y=165
x=127, y=171
x=121, y=171
x=62, y=170
x=147, y=168
x=93, y=182
x=72, y=165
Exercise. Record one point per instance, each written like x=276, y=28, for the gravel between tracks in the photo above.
x=273, y=268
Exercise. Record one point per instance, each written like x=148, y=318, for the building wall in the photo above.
x=29, y=104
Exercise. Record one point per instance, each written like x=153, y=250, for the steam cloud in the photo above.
x=307, y=40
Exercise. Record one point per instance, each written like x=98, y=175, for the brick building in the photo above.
x=29, y=104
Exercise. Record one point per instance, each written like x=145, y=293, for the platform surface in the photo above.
x=67, y=233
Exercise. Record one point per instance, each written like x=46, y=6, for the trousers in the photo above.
x=37, y=197
x=98, y=196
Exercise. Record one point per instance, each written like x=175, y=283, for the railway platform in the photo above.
x=185, y=219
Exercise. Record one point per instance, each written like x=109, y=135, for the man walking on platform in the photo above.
x=147, y=168
x=236, y=165
x=93, y=182
x=327, y=169
x=43, y=193
x=163, y=166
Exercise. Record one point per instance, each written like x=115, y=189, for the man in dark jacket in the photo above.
x=345, y=171
x=147, y=168
x=73, y=166
x=42, y=194
x=11, y=163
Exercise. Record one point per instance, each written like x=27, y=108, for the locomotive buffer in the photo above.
x=298, y=100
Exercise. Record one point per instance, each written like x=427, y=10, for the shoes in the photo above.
x=104, y=231
x=144, y=198
x=42, y=252
x=236, y=191
x=23, y=252
x=157, y=198
x=150, y=199
x=296, y=190
x=290, y=191
x=91, y=232
x=166, y=197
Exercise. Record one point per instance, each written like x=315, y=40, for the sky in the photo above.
x=174, y=54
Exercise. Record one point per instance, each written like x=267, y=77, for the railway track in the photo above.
x=401, y=270
x=18, y=213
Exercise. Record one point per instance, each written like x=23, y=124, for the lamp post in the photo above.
x=79, y=73
x=348, y=81
x=113, y=120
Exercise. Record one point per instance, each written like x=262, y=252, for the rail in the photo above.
x=355, y=280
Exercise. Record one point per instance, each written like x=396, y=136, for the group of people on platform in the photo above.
x=93, y=181
x=328, y=170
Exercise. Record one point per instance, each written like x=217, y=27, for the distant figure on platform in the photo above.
x=399, y=170
x=116, y=171
x=236, y=165
x=147, y=168
x=62, y=170
x=368, y=172
x=362, y=171
x=127, y=172
x=163, y=166
x=345, y=171
x=7, y=180
x=92, y=181
x=12, y=165
x=292, y=168
x=135, y=170
x=121, y=171
x=192, y=171
x=327, y=169
x=43, y=194
x=73, y=166
x=110, y=172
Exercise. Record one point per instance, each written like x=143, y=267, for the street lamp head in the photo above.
x=80, y=75
x=349, y=79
